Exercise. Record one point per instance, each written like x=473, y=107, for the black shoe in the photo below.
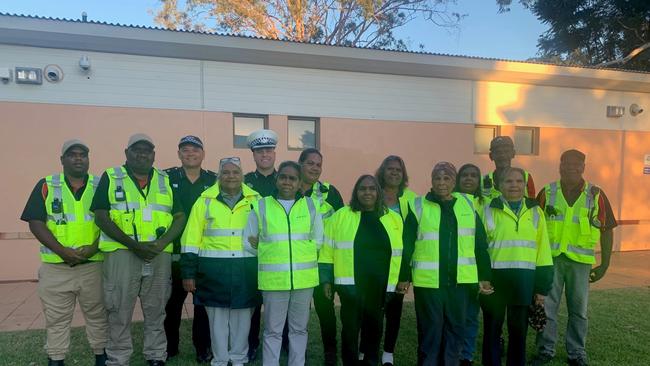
x=577, y=362
x=51, y=362
x=171, y=354
x=387, y=364
x=204, y=357
x=100, y=360
x=541, y=359
x=330, y=358
x=156, y=363
x=252, y=354
x=466, y=363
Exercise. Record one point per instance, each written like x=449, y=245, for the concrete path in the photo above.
x=20, y=307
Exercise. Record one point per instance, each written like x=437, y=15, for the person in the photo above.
x=522, y=268
x=468, y=181
x=59, y=217
x=393, y=179
x=139, y=216
x=262, y=144
x=502, y=151
x=188, y=182
x=362, y=256
x=449, y=260
x=578, y=216
x=216, y=268
x=287, y=232
x=330, y=201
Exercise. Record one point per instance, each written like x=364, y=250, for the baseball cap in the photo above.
x=191, y=140
x=138, y=137
x=72, y=143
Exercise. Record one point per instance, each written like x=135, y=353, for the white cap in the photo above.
x=72, y=143
x=262, y=138
x=138, y=137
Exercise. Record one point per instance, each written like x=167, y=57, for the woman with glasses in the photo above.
x=286, y=231
x=215, y=266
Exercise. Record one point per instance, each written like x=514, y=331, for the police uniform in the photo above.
x=260, y=183
x=187, y=193
x=66, y=214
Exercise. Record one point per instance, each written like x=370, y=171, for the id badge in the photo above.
x=147, y=214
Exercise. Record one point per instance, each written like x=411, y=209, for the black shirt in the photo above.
x=101, y=201
x=35, y=207
x=372, y=253
x=262, y=184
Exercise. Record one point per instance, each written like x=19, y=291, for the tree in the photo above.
x=362, y=23
x=606, y=33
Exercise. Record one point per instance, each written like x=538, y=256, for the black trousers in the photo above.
x=494, y=313
x=174, y=310
x=327, y=318
x=361, y=310
x=393, y=312
x=440, y=315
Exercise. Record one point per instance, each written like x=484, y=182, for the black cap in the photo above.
x=192, y=140
x=573, y=153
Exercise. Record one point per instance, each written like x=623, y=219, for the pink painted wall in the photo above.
x=33, y=134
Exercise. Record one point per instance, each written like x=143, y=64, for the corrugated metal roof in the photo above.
x=135, y=26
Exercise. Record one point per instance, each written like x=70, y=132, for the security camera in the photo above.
x=84, y=63
x=53, y=73
x=635, y=109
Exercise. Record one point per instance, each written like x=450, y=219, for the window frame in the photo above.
x=497, y=132
x=265, y=124
x=316, y=121
x=535, y=140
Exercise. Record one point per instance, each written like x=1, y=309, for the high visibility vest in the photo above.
x=573, y=230
x=405, y=200
x=338, y=248
x=286, y=255
x=135, y=214
x=426, y=257
x=326, y=210
x=517, y=241
x=489, y=186
x=70, y=221
x=213, y=230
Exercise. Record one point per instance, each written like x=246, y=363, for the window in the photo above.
x=527, y=140
x=244, y=124
x=483, y=135
x=303, y=133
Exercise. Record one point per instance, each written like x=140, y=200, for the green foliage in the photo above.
x=618, y=335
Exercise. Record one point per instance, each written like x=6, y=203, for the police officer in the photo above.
x=578, y=216
x=502, y=151
x=59, y=217
x=188, y=182
x=139, y=216
x=262, y=143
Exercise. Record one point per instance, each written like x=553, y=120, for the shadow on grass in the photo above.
x=618, y=335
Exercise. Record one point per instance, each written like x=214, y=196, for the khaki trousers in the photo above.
x=124, y=282
x=59, y=288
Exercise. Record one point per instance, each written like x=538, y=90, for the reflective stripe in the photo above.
x=285, y=237
x=319, y=195
x=466, y=261
x=94, y=182
x=590, y=197
x=207, y=209
x=560, y=218
x=189, y=249
x=417, y=205
x=396, y=253
x=466, y=231
x=162, y=187
x=552, y=194
x=124, y=206
x=555, y=246
x=207, y=253
x=535, y=217
x=343, y=245
x=390, y=288
x=578, y=250
x=429, y=236
x=262, y=211
x=513, y=244
x=222, y=232
x=285, y=267
x=104, y=237
x=159, y=207
x=70, y=217
x=469, y=202
x=489, y=218
x=344, y=280
x=312, y=211
x=304, y=265
x=513, y=264
x=425, y=265
x=46, y=250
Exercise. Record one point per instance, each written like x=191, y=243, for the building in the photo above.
x=103, y=82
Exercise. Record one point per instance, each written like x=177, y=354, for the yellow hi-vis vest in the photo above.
x=338, y=247
x=287, y=255
x=573, y=230
x=407, y=198
x=426, y=262
x=517, y=241
x=213, y=230
x=489, y=186
x=70, y=221
x=325, y=209
x=130, y=209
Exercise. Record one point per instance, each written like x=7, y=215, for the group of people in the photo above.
x=276, y=239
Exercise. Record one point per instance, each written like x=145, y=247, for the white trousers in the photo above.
x=229, y=335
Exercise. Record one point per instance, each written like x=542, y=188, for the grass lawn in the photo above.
x=619, y=334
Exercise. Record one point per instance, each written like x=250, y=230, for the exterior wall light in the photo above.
x=29, y=75
x=615, y=111
x=635, y=110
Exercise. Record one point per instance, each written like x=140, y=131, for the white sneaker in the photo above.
x=387, y=358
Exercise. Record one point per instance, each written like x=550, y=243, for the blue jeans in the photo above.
x=471, y=328
x=574, y=277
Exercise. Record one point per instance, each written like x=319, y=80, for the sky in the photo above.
x=482, y=32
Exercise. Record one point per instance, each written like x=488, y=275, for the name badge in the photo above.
x=147, y=214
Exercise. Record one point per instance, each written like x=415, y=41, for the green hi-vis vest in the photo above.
x=137, y=216
x=70, y=221
x=426, y=257
x=338, y=248
x=573, y=230
x=517, y=241
x=287, y=256
x=405, y=200
x=325, y=209
x=213, y=230
x=489, y=186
